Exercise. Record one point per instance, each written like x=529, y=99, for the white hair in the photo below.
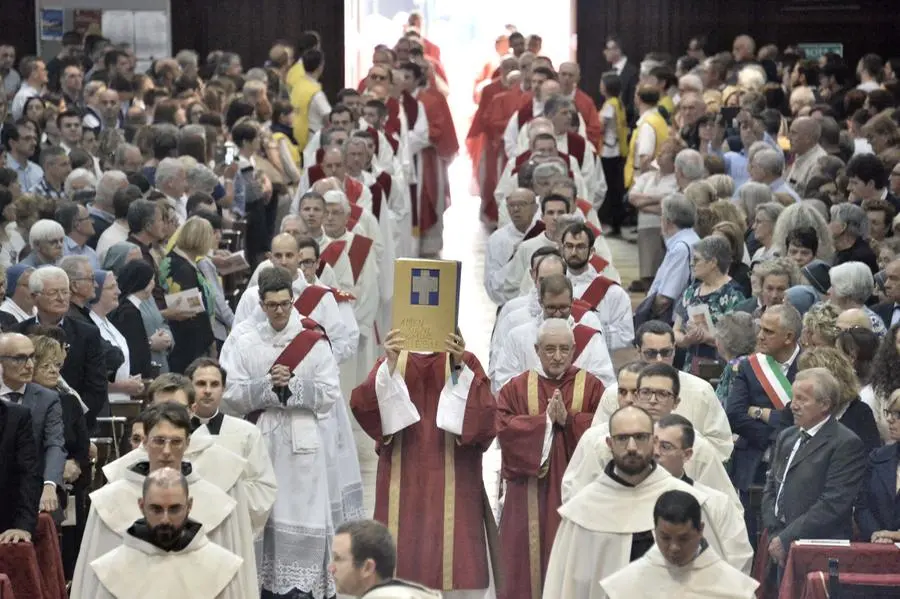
x=691, y=82
x=690, y=164
x=201, y=178
x=79, y=174
x=168, y=169
x=555, y=325
x=336, y=196
x=853, y=281
x=43, y=274
x=287, y=218
x=44, y=230
x=751, y=78
x=770, y=161
x=110, y=182
x=187, y=58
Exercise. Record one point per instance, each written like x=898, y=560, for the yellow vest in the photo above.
x=655, y=120
x=302, y=93
x=621, y=124
x=668, y=104
x=294, y=74
x=293, y=149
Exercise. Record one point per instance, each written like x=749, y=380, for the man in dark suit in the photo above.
x=889, y=311
x=20, y=477
x=17, y=358
x=759, y=393
x=628, y=71
x=84, y=368
x=817, y=469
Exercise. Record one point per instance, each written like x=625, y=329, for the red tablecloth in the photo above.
x=817, y=582
x=35, y=570
x=859, y=558
x=6, y=591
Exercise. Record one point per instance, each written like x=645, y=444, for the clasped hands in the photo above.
x=556, y=409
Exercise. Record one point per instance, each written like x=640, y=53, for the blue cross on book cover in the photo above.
x=426, y=302
x=425, y=284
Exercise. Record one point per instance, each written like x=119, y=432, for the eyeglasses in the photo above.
x=666, y=447
x=50, y=367
x=285, y=305
x=19, y=360
x=652, y=354
x=59, y=293
x=657, y=394
x=639, y=438
x=892, y=414
x=160, y=442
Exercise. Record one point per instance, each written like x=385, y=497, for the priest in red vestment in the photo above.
x=434, y=195
x=541, y=415
x=486, y=150
x=432, y=417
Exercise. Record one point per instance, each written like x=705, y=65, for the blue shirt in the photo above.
x=70, y=248
x=779, y=186
x=736, y=165
x=30, y=174
x=674, y=273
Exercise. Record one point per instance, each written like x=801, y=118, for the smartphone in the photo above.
x=229, y=155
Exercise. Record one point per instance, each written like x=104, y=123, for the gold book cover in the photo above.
x=426, y=301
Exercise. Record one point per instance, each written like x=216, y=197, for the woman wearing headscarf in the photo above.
x=118, y=255
x=19, y=303
x=136, y=293
x=122, y=384
x=136, y=284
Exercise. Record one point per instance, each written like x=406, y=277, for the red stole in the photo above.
x=355, y=214
x=579, y=309
x=392, y=126
x=358, y=252
x=330, y=255
x=433, y=167
x=353, y=189
x=577, y=147
x=535, y=230
x=526, y=156
x=298, y=349
x=596, y=291
x=593, y=129
x=309, y=299
x=598, y=263
x=377, y=197
x=583, y=335
x=525, y=114
x=374, y=133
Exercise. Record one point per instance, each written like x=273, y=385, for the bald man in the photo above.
x=805, y=133
x=167, y=547
x=17, y=359
x=569, y=77
x=854, y=317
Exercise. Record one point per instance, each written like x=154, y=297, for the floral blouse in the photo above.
x=721, y=301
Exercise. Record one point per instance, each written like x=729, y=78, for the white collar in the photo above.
x=620, y=64
x=787, y=365
x=135, y=300
x=815, y=429
x=5, y=390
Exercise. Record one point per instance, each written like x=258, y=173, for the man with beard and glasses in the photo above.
x=114, y=507
x=169, y=548
x=609, y=523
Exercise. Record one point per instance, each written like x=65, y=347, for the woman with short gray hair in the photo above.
x=852, y=284
x=735, y=339
x=750, y=196
x=850, y=231
x=711, y=295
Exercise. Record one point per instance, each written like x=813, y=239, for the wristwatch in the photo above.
x=757, y=413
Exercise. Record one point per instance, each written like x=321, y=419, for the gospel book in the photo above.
x=426, y=302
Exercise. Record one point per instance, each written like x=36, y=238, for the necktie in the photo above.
x=804, y=439
x=14, y=396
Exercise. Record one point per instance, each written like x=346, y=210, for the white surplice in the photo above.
x=706, y=577
x=509, y=182
x=140, y=570
x=311, y=446
x=327, y=277
x=517, y=354
x=114, y=508
x=344, y=336
x=698, y=403
x=252, y=488
x=594, y=537
x=614, y=310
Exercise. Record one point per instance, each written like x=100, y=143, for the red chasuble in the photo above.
x=429, y=484
x=435, y=158
x=593, y=128
x=485, y=147
x=533, y=495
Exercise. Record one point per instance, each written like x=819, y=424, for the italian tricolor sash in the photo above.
x=773, y=381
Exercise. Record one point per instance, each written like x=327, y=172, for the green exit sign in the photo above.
x=816, y=50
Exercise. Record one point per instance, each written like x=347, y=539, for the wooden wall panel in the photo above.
x=249, y=27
